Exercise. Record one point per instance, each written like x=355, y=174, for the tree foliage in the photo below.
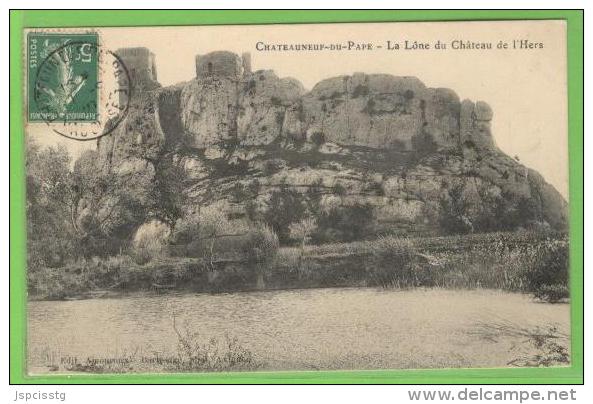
x=505, y=211
x=49, y=206
x=345, y=224
x=286, y=206
x=82, y=210
x=109, y=206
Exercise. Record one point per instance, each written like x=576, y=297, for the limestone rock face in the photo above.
x=440, y=112
x=250, y=111
x=138, y=135
x=263, y=102
x=377, y=111
x=209, y=111
x=475, y=125
x=387, y=143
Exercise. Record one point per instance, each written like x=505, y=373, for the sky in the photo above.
x=526, y=88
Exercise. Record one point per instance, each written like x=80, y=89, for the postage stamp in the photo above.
x=62, y=77
x=75, y=86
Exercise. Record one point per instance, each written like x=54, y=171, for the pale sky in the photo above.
x=525, y=88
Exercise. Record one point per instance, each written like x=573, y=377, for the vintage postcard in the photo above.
x=297, y=197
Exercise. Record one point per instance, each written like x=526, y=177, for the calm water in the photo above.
x=300, y=329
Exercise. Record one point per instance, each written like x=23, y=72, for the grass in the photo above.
x=512, y=262
x=119, y=273
x=193, y=353
x=539, y=347
x=535, y=263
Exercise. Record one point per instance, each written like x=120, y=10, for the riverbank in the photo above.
x=524, y=262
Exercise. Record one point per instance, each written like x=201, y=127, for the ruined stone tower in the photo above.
x=141, y=66
x=222, y=64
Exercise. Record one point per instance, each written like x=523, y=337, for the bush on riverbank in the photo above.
x=150, y=242
x=537, y=265
x=521, y=262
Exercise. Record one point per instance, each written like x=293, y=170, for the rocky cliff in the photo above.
x=417, y=159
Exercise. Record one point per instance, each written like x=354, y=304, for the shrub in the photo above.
x=205, y=232
x=213, y=356
x=50, y=252
x=239, y=193
x=261, y=244
x=271, y=167
x=290, y=257
x=375, y=188
x=346, y=223
x=150, y=241
x=285, y=207
x=302, y=230
x=453, y=217
x=396, y=263
x=260, y=249
x=318, y=138
x=53, y=283
x=547, y=278
x=339, y=189
x=551, y=293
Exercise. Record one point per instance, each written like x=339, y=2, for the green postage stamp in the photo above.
x=75, y=86
x=62, y=77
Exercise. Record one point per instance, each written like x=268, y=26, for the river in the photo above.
x=347, y=328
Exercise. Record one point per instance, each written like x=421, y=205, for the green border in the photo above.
x=90, y=18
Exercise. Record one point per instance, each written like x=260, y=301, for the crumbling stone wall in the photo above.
x=141, y=65
x=219, y=64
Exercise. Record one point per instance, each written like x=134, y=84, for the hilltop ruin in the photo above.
x=390, y=144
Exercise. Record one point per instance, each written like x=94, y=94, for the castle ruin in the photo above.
x=141, y=66
x=370, y=110
x=223, y=64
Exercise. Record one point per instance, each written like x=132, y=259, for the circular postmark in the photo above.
x=82, y=90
